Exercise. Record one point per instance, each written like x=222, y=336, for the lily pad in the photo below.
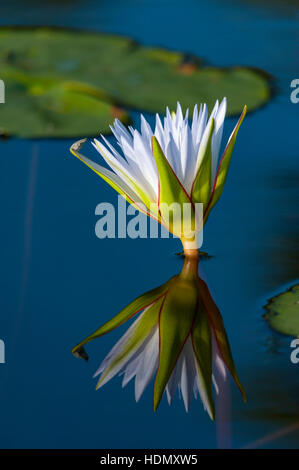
x=67, y=83
x=283, y=312
x=47, y=107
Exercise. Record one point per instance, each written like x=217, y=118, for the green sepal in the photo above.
x=202, y=185
x=143, y=328
x=223, y=167
x=176, y=319
x=202, y=347
x=126, y=313
x=141, y=195
x=220, y=333
x=111, y=178
x=171, y=189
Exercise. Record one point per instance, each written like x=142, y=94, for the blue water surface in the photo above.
x=59, y=282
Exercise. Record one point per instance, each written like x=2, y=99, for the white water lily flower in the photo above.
x=178, y=341
x=178, y=162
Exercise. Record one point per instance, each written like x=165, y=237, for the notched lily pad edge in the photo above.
x=188, y=60
x=188, y=57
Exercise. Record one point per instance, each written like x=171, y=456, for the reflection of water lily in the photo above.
x=179, y=338
x=177, y=163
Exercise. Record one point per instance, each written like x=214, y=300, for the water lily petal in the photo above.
x=127, y=173
x=109, y=366
x=174, y=380
x=188, y=373
x=148, y=365
x=201, y=187
x=217, y=136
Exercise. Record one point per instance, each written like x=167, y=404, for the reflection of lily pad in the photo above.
x=39, y=64
x=283, y=312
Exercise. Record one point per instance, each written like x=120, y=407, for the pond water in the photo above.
x=59, y=282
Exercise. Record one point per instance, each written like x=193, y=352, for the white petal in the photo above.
x=159, y=132
x=174, y=380
x=220, y=366
x=194, y=120
x=199, y=127
x=179, y=115
x=121, y=168
x=173, y=156
x=146, y=130
x=143, y=148
x=183, y=376
x=214, y=110
x=215, y=384
x=217, y=136
x=119, y=131
x=200, y=389
x=188, y=159
x=128, y=170
x=202, y=148
x=188, y=373
x=148, y=364
x=130, y=370
x=118, y=346
x=180, y=142
x=111, y=176
x=116, y=350
x=217, y=359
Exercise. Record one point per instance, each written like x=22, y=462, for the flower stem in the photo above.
x=190, y=268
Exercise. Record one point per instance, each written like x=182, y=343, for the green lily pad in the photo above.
x=47, y=107
x=283, y=312
x=72, y=83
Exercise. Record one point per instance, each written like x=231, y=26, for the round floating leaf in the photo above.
x=47, y=107
x=283, y=312
x=108, y=74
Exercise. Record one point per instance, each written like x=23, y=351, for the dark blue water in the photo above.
x=59, y=282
